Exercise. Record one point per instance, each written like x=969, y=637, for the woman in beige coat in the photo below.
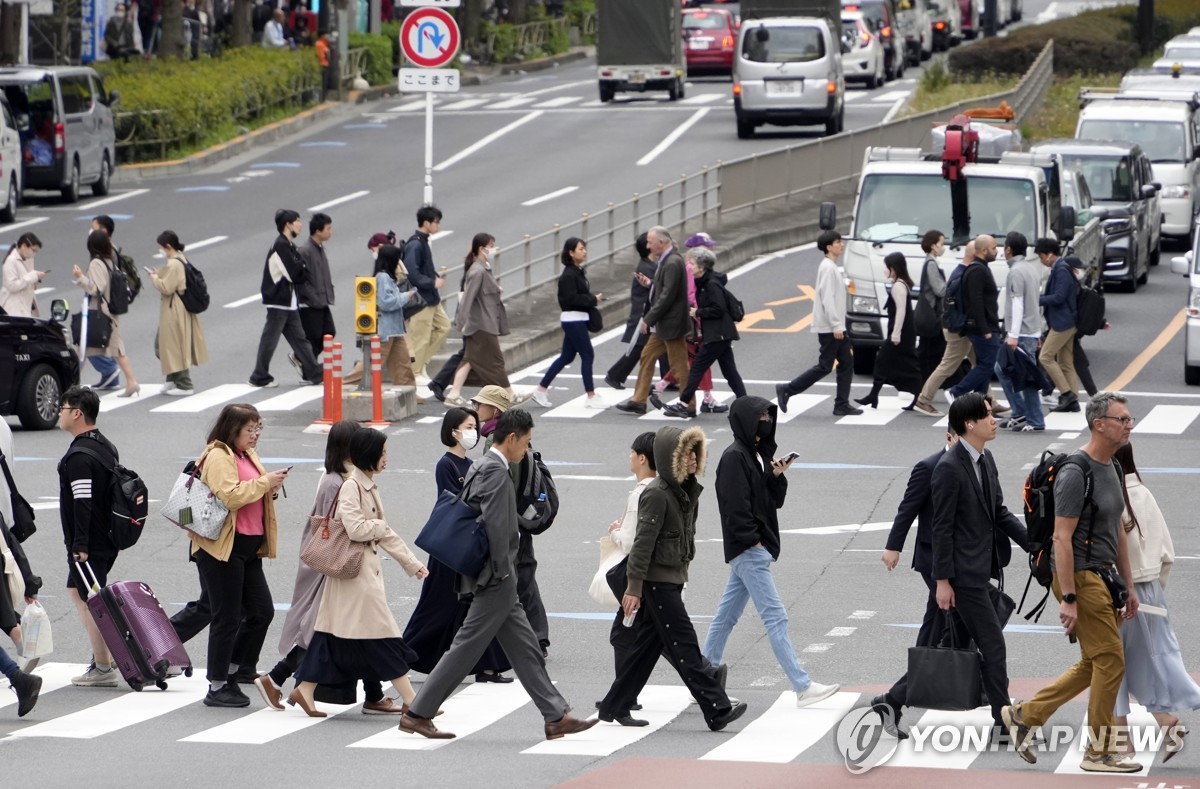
x=96, y=284
x=356, y=635
x=21, y=278
x=179, y=343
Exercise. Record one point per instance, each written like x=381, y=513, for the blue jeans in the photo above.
x=980, y=376
x=1025, y=402
x=576, y=340
x=750, y=579
x=7, y=665
x=105, y=365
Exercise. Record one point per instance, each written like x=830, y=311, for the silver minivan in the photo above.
x=787, y=71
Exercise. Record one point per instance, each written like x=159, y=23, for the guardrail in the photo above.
x=353, y=63
x=749, y=182
x=533, y=36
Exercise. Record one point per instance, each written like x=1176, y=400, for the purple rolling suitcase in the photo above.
x=137, y=631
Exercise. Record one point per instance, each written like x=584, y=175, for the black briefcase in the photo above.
x=944, y=677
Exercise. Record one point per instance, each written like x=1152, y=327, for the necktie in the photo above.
x=986, y=485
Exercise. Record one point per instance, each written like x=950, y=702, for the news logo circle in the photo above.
x=862, y=741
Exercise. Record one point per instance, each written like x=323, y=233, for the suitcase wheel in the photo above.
x=187, y=671
x=161, y=684
x=137, y=686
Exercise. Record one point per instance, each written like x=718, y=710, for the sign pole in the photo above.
x=429, y=40
x=429, y=149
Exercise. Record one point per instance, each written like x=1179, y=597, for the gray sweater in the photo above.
x=317, y=290
x=1024, y=282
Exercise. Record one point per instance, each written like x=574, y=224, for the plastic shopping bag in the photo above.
x=37, y=640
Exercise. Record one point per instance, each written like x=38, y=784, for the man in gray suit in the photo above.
x=668, y=318
x=495, y=611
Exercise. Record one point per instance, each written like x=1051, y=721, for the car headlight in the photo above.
x=1193, y=305
x=1118, y=226
x=1176, y=192
x=867, y=305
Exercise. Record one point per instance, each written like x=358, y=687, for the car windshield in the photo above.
x=1107, y=177
x=704, y=21
x=1161, y=81
x=902, y=206
x=872, y=11
x=1182, y=52
x=1163, y=141
x=783, y=45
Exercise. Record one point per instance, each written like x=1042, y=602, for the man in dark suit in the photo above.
x=639, y=300
x=495, y=610
x=668, y=318
x=971, y=537
x=917, y=505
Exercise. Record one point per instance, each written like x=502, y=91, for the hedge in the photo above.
x=167, y=106
x=378, y=67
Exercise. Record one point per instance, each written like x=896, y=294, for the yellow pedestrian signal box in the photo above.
x=364, y=305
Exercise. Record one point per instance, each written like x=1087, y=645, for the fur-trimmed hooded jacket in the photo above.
x=665, y=542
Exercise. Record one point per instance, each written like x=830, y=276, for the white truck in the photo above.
x=639, y=47
x=902, y=193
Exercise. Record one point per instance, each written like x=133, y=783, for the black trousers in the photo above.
x=1083, y=368
x=721, y=352
x=317, y=322
x=831, y=350
x=931, y=623
x=242, y=608
x=663, y=628
x=194, y=617
x=627, y=362
x=929, y=353
x=287, y=667
x=528, y=592
x=445, y=376
x=285, y=323
x=974, y=607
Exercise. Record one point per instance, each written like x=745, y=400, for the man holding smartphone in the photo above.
x=750, y=490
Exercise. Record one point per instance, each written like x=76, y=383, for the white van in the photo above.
x=787, y=71
x=1168, y=130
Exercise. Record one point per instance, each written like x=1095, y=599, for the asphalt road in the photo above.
x=850, y=618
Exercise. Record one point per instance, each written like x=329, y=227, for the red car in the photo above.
x=709, y=38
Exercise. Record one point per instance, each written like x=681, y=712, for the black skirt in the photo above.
x=898, y=365
x=331, y=660
x=436, y=619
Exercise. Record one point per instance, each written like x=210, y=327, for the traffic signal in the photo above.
x=364, y=305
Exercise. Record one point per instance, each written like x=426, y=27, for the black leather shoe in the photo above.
x=483, y=676
x=656, y=401
x=678, y=410
x=889, y=716
x=781, y=397
x=846, y=410
x=438, y=390
x=728, y=717
x=624, y=720
x=631, y=407
x=1067, y=403
x=29, y=686
x=713, y=408
x=613, y=382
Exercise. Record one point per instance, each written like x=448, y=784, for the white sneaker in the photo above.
x=175, y=391
x=167, y=387
x=520, y=398
x=96, y=677
x=540, y=398
x=814, y=693
x=596, y=402
x=949, y=397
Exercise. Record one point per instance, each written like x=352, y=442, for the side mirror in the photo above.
x=1148, y=190
x=762, y=35
x=828, y=216
x=114, y=98
x=1157, y=186
x=1181, y=264
x=59, y=310
x=1066, y=223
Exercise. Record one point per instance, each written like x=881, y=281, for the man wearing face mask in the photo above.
x=750, y=490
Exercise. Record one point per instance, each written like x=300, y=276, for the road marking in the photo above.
x=472, y=709
x=509, y=104
x=191, y=189
x=267, y=725
x=1142, y=359
x=43, y=291
x=289, y=401
x=784, y=732
x=862, y=614
x=797, y=405
x=125, y=710
x=206, y=399
x=817, y=648
x=841, y=632
x=889, y=408
x=412, y=105
x=661, y=704
x=192, y=247
x=673, y=136
x=340, y=200
x=54, y=675
x=37, y=220
x=464, y=104
x=895, y=110
x=560, y=101
x=439, y=234
x=379, y=125
x=1139, y=718
x=976, y=720
x=111, y=199
x=546, y=197
x=488, y=140
x=323, y=144
x=112, y=401
x=233, y=305
x=563, y=86
x=1168, y=419
x=854, y=96
x=284, y=165
x=577, y=408
x=890, y=95
x=848, y=528
x=703, y=98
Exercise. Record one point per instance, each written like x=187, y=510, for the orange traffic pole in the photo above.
x=335, y=383
x=376, y=382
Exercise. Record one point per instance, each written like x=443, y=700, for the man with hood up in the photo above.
x=663, y=547
x=750, y=490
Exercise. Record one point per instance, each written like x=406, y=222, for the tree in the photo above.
x=1145, y=26
x=242, y=28
x=171, y=46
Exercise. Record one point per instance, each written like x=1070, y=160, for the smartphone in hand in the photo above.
x=789, y=457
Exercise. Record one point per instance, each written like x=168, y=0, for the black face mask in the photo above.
x=764, y=429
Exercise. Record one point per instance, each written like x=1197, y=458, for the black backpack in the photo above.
x=1089, y=316
x=130, y=501
x=133, y=280
x=537, y=496
x=118, y=291
x=1039, y=518
x=734, y=306
x=954, y=308
x=195, y=295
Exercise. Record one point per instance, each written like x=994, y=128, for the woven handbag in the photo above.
x=330, y=551
x=193, y=506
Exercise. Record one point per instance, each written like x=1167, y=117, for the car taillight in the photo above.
x=831, y=87
x=727, y=42
x=865, y=39
x=60, y=138
x=886, y=32
x=940, y=26
x=737, y=88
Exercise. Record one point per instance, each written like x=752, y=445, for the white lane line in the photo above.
x=509, y=104
x=43, y=291
x=54, y=675
x=703, y=98
x=661, y=704
x=233, y=305
x=439, y=234
x=546, y=197
x=841, y=632
x=289, y=401
x=206, y=399
x=560, y=101
x=848, y=528
x=125, y=710
x=798, y=404
x=784, y=732
x=890, y=95
x=192, y=247
x=37, y=220
x=111, y=199
x=1168, y=419
x=412, y=105
x=563, y=86
x=673, y=136
x=463, y=104
x=488, y=140
x=472, y=709
x=267, y=725
x=340, y=200
x=111, y=401
x=972, y=724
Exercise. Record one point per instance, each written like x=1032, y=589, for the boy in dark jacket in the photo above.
x=750, y=490
x=283, y=271
x=428, y=327
x=1061, y=303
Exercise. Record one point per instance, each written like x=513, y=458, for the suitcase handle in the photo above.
x=94, y=584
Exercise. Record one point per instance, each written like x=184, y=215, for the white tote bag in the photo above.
x=194, y=507
x=37, y=640
x=610, y=557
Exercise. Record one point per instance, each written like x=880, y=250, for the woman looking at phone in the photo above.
x=179, y=343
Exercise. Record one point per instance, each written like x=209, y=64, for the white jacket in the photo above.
x=829, y=304
x=19, y=283
x=623, y=537
x=1151, y=553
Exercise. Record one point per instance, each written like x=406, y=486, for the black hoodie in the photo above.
x=748, y=492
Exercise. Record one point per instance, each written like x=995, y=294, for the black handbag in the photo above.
x=617, y=579
x=455, y=536
x=595, y=320
x=99, y=330
x=23, y=525
x=1004, y=605
x=944, y=678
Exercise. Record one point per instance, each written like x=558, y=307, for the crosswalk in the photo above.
x=774, y=731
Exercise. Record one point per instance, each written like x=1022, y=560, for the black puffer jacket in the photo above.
x=749, y=494
x=713, y=310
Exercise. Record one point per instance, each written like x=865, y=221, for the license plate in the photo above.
x=637, y=77
x=790, y=87
x=698, y=44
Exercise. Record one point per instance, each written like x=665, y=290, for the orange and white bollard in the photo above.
x=335, y=384
x=377, y=420
x=331, y=401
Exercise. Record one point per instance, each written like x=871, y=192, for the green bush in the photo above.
x=391, y=31
x=168, y=106
x=558, y=41
x=378, y=67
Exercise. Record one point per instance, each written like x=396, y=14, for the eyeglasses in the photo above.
x=254, y=430
x=62, y=408
x=1125, y=421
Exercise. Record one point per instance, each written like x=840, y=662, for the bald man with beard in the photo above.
x=981, y=301
x=958, y=348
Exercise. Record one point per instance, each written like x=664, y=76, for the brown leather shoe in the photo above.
x=271, y=694
x=295, y=698
x=424, y=727
x=568, y=725
x=384, y=706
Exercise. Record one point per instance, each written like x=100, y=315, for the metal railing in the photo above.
x=533, y=36
x=353, y=63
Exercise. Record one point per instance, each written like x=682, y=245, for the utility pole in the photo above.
x=1145, y=26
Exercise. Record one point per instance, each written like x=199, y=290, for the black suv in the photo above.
x=1125, y=196
x=37, y=364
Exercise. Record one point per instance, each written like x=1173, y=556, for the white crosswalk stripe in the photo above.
x=703, y=98
x=891, y=95
x=466, y=712
x=290, y=401
x=798, y=404
x=976, y=720
x=409, y=107
x=784, y=731
x=267, y=725
x=54, y=676
x=509, y=104
x=1169, y=419
x=463, y=104
x=206, y=399
x=560, y=101
x=113, y=401
x=661, y=704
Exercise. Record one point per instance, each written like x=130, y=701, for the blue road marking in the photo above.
x=325, y=144
x=202, y=189
x=119, y=217
x=264, y=165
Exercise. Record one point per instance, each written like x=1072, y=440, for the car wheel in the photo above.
x=38, y=400
x=745, y=129
x=1154, y=256
x=673, y=91
x=864, y=361
x=606, y=93
x=70, y=192
x=100, y=188
x=682, y=86
x=834, y=125
x=9, y=213
x=1191, y=374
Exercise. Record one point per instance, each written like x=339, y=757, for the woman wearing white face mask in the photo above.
x=482, y=319
x=439, y=613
